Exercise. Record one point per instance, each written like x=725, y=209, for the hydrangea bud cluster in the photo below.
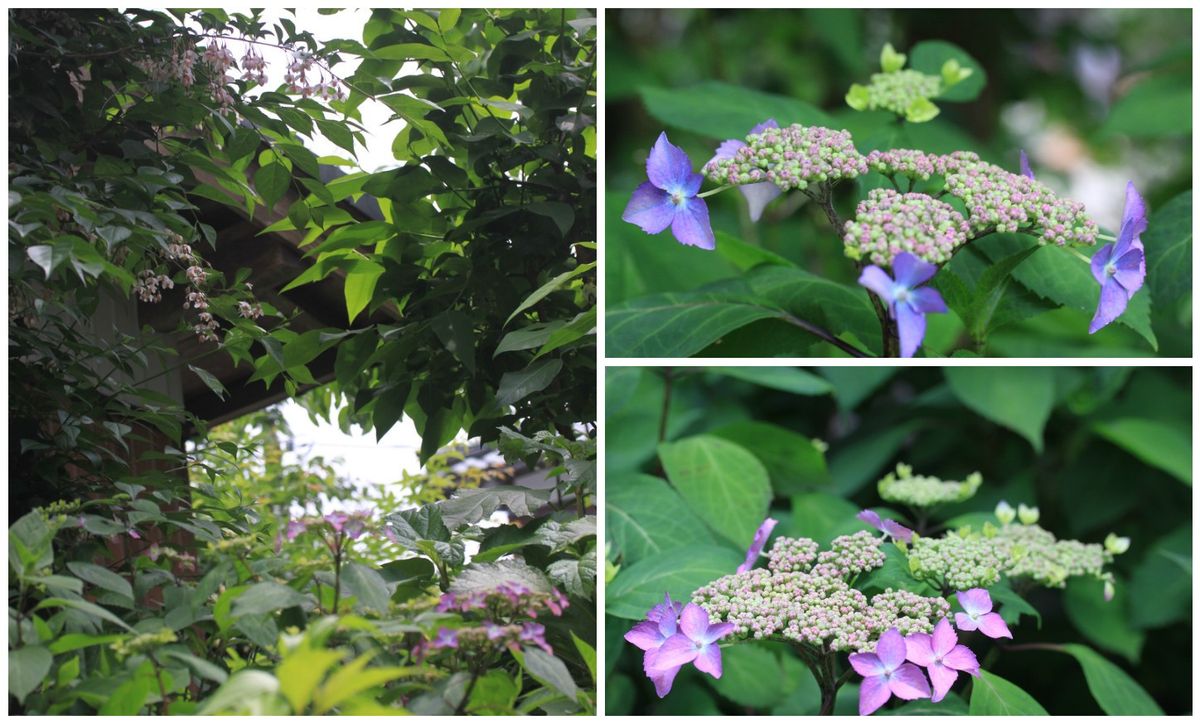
x=1035, y=553
x=899, y=90
x=958, y=560
x=888, y=223
x=791, y=158
x=921, y=491
x=794, y=600
x=507, y=600
x=997, y=200
x=489, y=636
x=918, y=164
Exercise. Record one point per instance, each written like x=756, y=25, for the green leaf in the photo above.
x=823, y=517
x=561, y=214
x=102, y=578
x=447, y=17
x=27, y=667
x=1019, y=398
x=204, y=669
x=1104, y=623
x=354, y=678
x=1158, y=105
x=360, y=286
x=576, y=576
x=243, y=692
x=753, y=676
x=366, y=585
x=266, y=597
x=1113, y=689
x=994, y=696
x=535, y=335
x=1168, y=242
x=640, y=586
x=985, y=299
x=1161, y=587
x=793, y=461
x=516, y=386
x=301, y=671
x=550, y=671
x=129, y=698
x=271, y=182
x=644, y=517
x=722, y=482
x=1155, y=442
x=930, y=58
x=787, y=379
x=582, y=325
x=479, y=577
x=1059, y=276
x=210, y=380
x=723, y=110
x=89, y=608
x=470, y=506
x=456, y=332
x=587, y=653
x=543, y=291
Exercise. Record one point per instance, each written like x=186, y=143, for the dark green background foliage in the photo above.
x=1098, y=450
x=707, y=75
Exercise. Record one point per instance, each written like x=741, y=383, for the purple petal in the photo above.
x=944, y=639
x=891, y=649
x=691, y=226
x=867, y=665
x=675, y=651
x=870, y=517
x=975, y=601
x=1099, y=261
x=911, y=325
x=962, y=659
x=718, y=631
x=1130, y=270
x=758, y=196
x=878, y=281
x=942, y=678
x=662, y=677
x=667, y=609
x=645, y=635
x=1133, y=220
x=727, y=149
x=919, y=649
x=709, y=660
x=992, y=625
x=649, y=208
x=693, y=622
x=910, y=271
x=927, y=300
x=1025, y=170
x=963, y=622
x=873, y=694
x=769, y=123
x=909, y=683
x=756, y=545
x=897, y=531
x=667, y=165
x=1113, y=299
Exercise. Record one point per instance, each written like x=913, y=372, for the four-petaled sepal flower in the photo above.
x=977, y=615
x=942, y=656
x=696, y=643
x=907, y=301
x=669, y=198
x=886, y=673
x=890, y=527
x=1120, y=267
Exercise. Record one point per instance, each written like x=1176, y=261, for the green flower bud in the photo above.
x=889, y=60
x=1116, y=545
x=858, y=98
x=921, y=110
x=1005, y=513
x=953, y=73
x=1027, y=515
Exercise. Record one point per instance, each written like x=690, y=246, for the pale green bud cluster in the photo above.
x=1035, y=553
x=959, y=560
x=920, y=491
x=887, y=223
x=143, y=642
x=903, y=92
x=791, y=158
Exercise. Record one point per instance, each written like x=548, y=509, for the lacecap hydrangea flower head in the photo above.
x=901, y=234
x=904, y=644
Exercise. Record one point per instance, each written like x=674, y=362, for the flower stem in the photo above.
x=1082, y=257
x=713, y=192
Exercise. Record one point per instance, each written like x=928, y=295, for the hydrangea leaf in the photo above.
x=792, y=460
x=722, y=482
x=930, y=57
x=640, y=586
x=1019, y=398
x=1164, y=445
x=1104, y=623
x=753, y=676
x=1114, y=690
x=994, y=696
x=646, y=517
x=723, y=110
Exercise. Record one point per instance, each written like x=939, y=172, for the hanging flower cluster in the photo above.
x=912, y=232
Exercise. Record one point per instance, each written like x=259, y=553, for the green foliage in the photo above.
x=679, y=516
